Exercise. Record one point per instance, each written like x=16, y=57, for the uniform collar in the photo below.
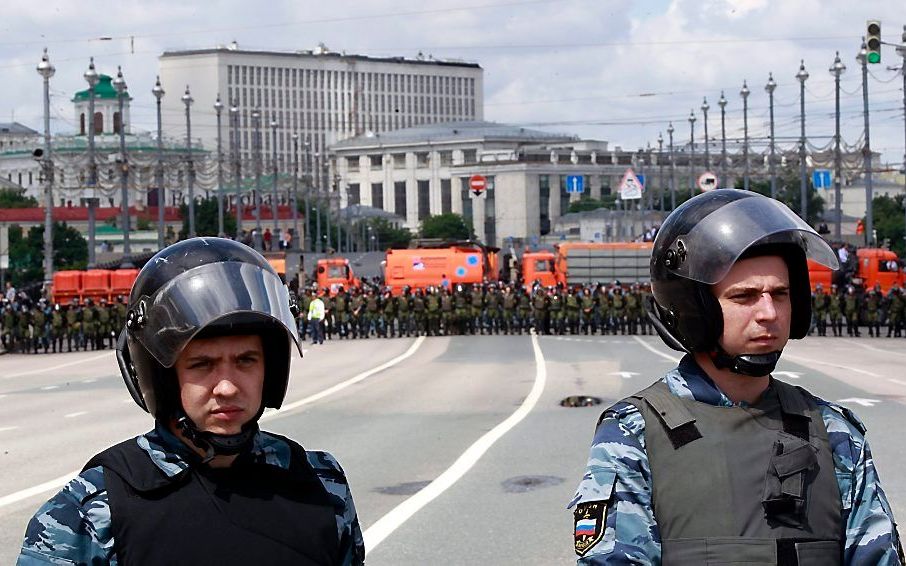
x=689, y=381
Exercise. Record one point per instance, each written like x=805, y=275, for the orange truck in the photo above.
x=874, y=266
x=586, y=263
x=93, y=284
x=455, y=263
x=332, y=272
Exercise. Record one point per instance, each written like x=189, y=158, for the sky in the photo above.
x=613, y=70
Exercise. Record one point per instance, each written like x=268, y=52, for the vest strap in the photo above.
x=676, y=418
x=795, y=408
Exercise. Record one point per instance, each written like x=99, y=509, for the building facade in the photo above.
x=321, y=96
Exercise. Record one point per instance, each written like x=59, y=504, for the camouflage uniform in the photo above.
x=432, y=305
x=571, y=307
x=448, y=310
x=835, y=310
x=618, y=473
x=820, y=304
x=895, y=312
x=525, y=311
x=873, y=312
x=851, y=312
x=539, y=311
x=74, y=527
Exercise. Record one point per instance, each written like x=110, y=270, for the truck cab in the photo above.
x=333, y=272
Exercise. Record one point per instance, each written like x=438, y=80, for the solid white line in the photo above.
x=77, y=414
x=63, y=480
x=897, y=381
x=5, y=428
x=868, y=347
x=654, y=350
x=49, y=387
x=344, y=384
x=385, y=526
x=59, y=366
x=831, y=364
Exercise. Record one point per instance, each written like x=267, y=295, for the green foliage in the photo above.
x=12, y=198
x=389, y=236
x=586, y=204
x=206, y=219
x=890, y=222
x=26, y=252
x=788, y=192
x=450, y=226
x=143, y=223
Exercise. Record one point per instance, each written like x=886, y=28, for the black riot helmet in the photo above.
x=203, y=287
x=697, y=246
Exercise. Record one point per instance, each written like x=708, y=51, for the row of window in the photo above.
x=422, y=160
x=423, y=197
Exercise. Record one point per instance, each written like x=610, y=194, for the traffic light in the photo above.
x=873, y=41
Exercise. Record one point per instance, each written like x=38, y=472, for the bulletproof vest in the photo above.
x=249, y=513
x=753, y=485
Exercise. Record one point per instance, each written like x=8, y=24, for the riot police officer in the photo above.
x=742, y=467
x=206, y=485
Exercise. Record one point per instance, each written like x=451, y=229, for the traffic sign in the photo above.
x=478, y=183
x=707, y=181
x=575, y=184
x=630, y=186
x=821, y=178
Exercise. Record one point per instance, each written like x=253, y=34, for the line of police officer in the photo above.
x=873, y=309
x=27, y=326
x=492, y=308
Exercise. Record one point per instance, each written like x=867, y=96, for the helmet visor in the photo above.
x=720, y=238
x=200, y=296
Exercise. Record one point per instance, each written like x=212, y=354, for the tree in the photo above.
x=26, y=252
x=206, y=219
x=586, y=204
x=389, y=236
x=13, y=198
x=788, y=193
x=890, y=222
x=449, y=226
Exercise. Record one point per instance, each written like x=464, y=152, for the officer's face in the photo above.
x=220, y=381
x=755, y=299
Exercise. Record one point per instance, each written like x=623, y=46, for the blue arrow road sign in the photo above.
x=575, y=184
x=641, y=179
x=821, y=178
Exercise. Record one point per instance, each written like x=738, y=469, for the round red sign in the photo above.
x=477, y=183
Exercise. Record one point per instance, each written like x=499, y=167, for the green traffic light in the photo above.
x=874, y=57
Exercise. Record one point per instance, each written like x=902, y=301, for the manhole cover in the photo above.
x=580, y=401
x=522, y=484
x=408, y=488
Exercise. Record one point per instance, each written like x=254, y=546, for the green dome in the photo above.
x=104, y=89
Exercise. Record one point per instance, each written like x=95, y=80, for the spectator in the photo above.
x=268, y=239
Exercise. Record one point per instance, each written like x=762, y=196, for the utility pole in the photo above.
x=692, y=153
x=705, y=108
x=190, y=166
x=802, y=76
x=308, y=178
x=47, y=70
x=91, y=77
x=862, y=57
x=158, y=92
x=660, y=167
x=902, y=51
x=274, y=205
x=772, y=165
x=723, y=139
x=237, y=171
x=296, y=192
x=670, y=131
x=256, y=118
x=744, y=93
x=317, y=164
x=218, y=109
x=119, y=83
x=837, y=69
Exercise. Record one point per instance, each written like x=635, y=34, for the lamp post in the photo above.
x=308, y=246
x=837, y=69
x=295, y=191
x=47, y=70
x=722, y=102
x=256, y=118
x=91, y=77
x=705, y=108
x=119, y=83
x=218, y=109
x=902, y=52
x=772, y=165
x=744, y=93
x=660, y=166
x=237, y=171
x=274, y=206
x=692, y=152
x=802, y=76
x=317, y=167
x=158, y=92
x=190, y=173
x=866, y=150
x=672, y=169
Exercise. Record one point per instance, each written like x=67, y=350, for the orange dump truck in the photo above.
x=586, y=263
x=874, y=266
x=456, y=263
x=332, y=272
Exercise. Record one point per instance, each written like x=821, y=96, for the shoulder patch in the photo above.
x=589, y=519
x=847, y=413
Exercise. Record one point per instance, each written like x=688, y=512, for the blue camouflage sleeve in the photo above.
x=613, y=520
x=871, y=535
x=73, y=527
x=352, y=544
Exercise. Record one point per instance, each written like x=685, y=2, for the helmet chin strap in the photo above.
x=754, y=365
x=216, y=444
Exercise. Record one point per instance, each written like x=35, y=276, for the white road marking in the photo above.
x=624, y=374
x=5, y=428
x=385, y=526
x=92, y=380
x=62, y=480
x=76, y=414
x=49, y=387
x=789, y=374
x=654, y=350
x=862, y=344
x=58, y=366
x=832, y=364
x=2, y=396
x=860, y=401
x=892, y=380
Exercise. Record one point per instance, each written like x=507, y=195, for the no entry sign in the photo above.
x=478, y=183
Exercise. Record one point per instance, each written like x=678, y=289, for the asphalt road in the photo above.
x=457, y=449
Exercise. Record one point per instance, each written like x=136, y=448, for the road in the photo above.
x=457, y=449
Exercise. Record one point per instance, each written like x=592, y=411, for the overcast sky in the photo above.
x=614, y=70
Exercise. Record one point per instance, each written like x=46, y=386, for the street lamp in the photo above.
x=218, y=109
x=672, y=169
x=744, y=93
x=866, y=149
x=837, y=69
x=274, y=207
x=92, y=78
x=769, y=88
x=723, y=138
x=802, y=76
x=308, y=179
x=705, y=108
x=119, y=83
x=256, y=118
x=237, y=173
x=158, y=93
x=295, y=192
x=660, y=166
x=692, y=152
x=317, y=167
x=47, y=70
x=190, y=174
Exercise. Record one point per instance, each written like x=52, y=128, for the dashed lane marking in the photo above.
x=831, y=364
x=50, y=387
x=892, y=380
x=385, y=526
x=76, y=414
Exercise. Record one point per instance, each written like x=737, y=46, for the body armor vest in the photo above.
x=753, y=485
x=249, y=513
